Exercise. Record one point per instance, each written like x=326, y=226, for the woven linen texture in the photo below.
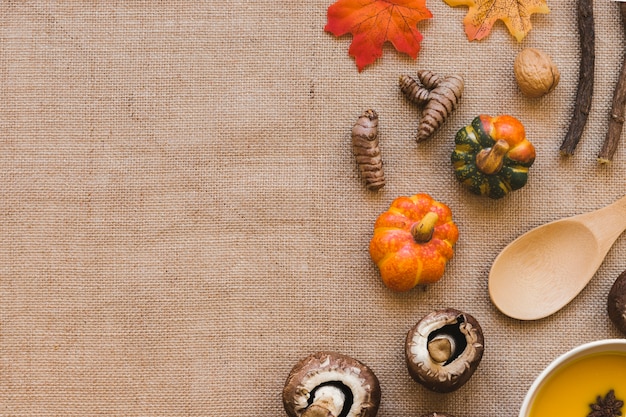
x=182, y=220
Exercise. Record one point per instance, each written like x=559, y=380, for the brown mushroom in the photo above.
x=444, y=349
x=329, y=384
x=616, y=305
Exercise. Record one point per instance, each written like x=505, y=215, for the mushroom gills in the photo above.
x=337, y=395
x=447, y=343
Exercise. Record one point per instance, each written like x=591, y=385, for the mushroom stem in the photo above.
x=441, y=349
x=423, y=231
x=490, y=160
x=328, y=402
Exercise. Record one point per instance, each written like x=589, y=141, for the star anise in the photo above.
x=609, y=406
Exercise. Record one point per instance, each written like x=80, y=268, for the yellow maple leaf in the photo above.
x=515, y=14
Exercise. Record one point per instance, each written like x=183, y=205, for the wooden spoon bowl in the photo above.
x=544, y=269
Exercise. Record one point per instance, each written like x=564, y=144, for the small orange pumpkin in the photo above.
x=413, y=240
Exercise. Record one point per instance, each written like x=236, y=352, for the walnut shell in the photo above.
x=535, y=73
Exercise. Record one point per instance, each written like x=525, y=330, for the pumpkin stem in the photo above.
x=490, y=160
x=423, y=231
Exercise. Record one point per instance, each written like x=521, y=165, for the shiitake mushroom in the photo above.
x=330, y=384
x=444, y=349
x=616, y=304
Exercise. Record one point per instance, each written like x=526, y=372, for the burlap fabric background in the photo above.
x=181, y=217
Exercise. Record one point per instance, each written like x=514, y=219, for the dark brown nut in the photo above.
x=444, y=349
x=616, y=305
x=328, y=384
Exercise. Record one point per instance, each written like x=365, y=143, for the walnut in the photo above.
x=535, y=72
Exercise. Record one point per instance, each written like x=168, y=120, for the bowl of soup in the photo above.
x=577, y=379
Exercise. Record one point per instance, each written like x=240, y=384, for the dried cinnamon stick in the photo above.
x=582, y=105
x=616, y=120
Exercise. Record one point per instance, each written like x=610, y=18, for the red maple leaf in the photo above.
x=373, y=22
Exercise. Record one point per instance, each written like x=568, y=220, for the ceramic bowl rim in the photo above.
x=604, y=345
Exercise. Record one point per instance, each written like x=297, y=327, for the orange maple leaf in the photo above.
x=515, y=14
x=373, y=22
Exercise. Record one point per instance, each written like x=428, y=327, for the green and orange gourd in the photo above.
x=492, y=155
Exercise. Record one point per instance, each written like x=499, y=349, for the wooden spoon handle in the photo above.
x=607, y=223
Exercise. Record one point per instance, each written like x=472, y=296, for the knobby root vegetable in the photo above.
x=436, y=96
x=616, y=120
x=582, y=106
x=367, y=151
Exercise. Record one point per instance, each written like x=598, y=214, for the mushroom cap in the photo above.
x=616, y=304
x=444, y=369
x=331, y=368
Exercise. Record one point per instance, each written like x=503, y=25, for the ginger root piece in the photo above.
x=437, y=97
x=366, y=150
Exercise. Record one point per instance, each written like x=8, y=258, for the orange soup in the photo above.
x=571, y=389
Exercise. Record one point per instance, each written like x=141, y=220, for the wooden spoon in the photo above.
x=545, y=268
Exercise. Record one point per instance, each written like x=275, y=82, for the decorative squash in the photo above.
x=492, y=155
x=413, y=241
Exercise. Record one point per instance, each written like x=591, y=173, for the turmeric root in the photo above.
x=417, y=91
x=366, y=150
x=436, y=96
